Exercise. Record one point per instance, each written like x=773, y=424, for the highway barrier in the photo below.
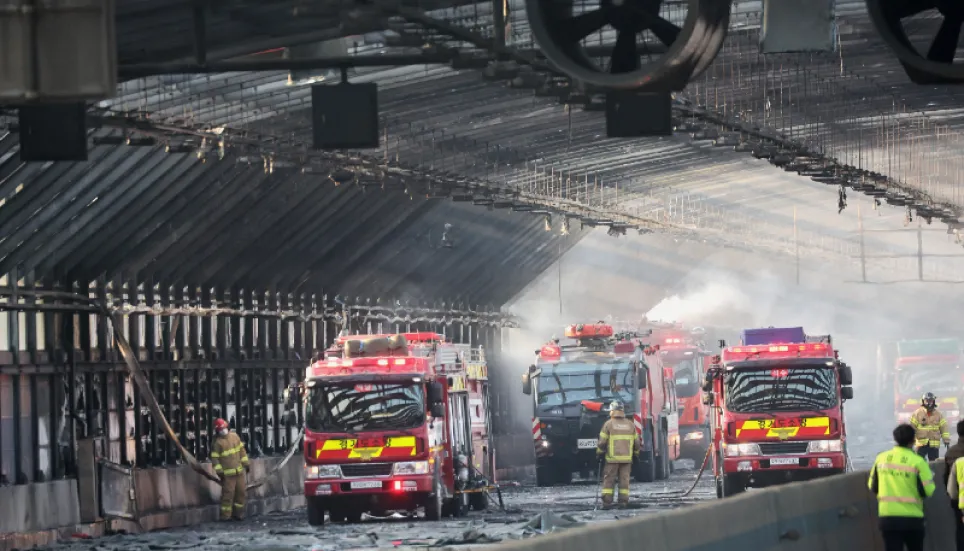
x=831, y=514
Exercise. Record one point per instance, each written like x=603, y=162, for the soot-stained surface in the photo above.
x=570, y=505
x=529, y=511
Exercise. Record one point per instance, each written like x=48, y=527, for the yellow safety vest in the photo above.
x=618, y=438
x=931, y=427
x=897, y=473
x=959, y=479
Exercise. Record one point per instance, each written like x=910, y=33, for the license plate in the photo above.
x=784, y=461
x=586, y=443
x=365, y=485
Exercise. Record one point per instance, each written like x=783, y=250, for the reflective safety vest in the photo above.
x=228, y=455
x=901, y=479
x=931, y=427
x=955, y=483
x=618, y=439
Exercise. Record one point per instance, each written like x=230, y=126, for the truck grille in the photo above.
x=782, y=448
x=366, y=469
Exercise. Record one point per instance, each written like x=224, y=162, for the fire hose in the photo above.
x=699, y=475
x=143, y=385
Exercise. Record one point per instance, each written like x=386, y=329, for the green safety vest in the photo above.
x=959, y=475
x=897, y=473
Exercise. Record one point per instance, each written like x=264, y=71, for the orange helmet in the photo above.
x=220, y=424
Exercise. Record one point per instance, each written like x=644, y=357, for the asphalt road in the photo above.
x=526, y=515
x=528, y=511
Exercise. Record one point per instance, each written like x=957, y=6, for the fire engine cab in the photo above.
x=928, y=365
x=572, y=386
x=777, y=409
x=685, y=351
x=396, y=422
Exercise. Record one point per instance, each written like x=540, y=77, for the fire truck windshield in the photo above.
x=687, y=378
x=780, y=389
x=353, y=407
x=570, y=383
x=920, y=378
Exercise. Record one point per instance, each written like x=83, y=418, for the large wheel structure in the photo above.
x=561, y=27
x=936, y=64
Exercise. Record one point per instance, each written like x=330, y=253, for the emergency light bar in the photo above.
x=411, y=338
x=593, y=331
x=807, y=350
x=331, y=363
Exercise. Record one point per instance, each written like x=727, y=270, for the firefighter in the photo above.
x=931, y=428
x=617, y=443
x=902, y=480
x=230, y=464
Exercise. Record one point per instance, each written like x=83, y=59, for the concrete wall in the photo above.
x=39, y=514
x=833, y=514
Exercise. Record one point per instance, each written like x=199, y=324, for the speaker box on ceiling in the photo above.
x=345, y=116
x=632, y=114
x=53, y=132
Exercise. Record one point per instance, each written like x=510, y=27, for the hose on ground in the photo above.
x=143, y=385
x=699, y=475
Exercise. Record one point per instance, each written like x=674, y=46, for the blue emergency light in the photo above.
x=770, y=335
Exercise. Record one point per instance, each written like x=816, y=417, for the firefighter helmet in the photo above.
x=929, y=401
x=616, y=405
x=220, y=424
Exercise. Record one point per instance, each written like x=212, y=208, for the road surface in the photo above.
x=527, y=514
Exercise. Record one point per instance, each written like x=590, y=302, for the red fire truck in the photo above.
x=928, y=365
x=393, y=423
x=685, y=351
x=572, y=386
x=777, y=410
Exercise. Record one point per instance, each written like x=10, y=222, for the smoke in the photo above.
x=656, y=276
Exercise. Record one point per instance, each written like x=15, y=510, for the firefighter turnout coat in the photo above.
x=901, y=479
x=230, y=462
x=931, y=427
x=617, y=439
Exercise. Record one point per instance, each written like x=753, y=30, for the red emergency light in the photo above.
x=550, y=352
x=771, y=351
x=349, y=366
x=411, y=338
x=589, y=331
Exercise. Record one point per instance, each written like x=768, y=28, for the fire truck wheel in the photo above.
x=645, y=468
x=337, y=515
x=433, y=505
x=732, y=485
x=543, y=476
x=564, y=474
x=316, y=512
x=662, y=463
x=479, y=501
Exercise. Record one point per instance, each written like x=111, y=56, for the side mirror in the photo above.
x=847, y=393
x=526, y=384
x=641, y=375
x=435, y=393
x=707, y=385
x=722, y=343
x=291, y=418
x=707, y=398
x=846, y=375
x=437, y=410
